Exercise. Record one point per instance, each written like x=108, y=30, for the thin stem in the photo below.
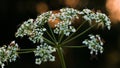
x=24, y=52
x=58, y=37
x=48, y=41
x=74, y=46
x=59, y=50
x=27, y=49
x=50, y=36
x=75, y=32
x=52, y=33
x=78, y=35
x=61, y=37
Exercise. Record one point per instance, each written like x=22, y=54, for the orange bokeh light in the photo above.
x=113, y=8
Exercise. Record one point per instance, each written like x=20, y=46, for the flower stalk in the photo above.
x=75, y=46
x=61, y=57
x=24, y=52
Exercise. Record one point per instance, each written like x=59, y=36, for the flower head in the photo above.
x=102, y=19
x=43, y=53
x=98, y=17
x=64, y=27
x=32, y=30
x=43, y=18
x=88, y=15
x=8, y=54
x=66, y=15
x=94, y=44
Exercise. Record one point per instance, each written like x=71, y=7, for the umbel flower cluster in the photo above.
x=98, y=17
x=8, y=53
x=32, y=30
x=94, y=44
x=43, y=53
x=38, y=30
x=66, y=16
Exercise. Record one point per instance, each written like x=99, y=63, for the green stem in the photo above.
x=24, y=52
x=78, y=35
x=61, y=37
x=48, y=41
x=75, y=32
x=52, y=33
x=74, y=46
x=59, y=50
x=27, y=49
x=50, y=36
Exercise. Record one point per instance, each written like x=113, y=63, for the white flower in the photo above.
x=94, y=44
x=64, y=27
x=43, y=18
x=38, y=61
x=33, y=30
x=51, y=58
x=8, y=54
x=69, y=13
x=86, y=11
x=37, y=35
x=2, y=66
x=103, y=19
x=66, y=15
x=43, y=53
x=88, y=15
x=26, y=28
x=98, y=17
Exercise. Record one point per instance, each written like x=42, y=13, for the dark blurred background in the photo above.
x=14, y=12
